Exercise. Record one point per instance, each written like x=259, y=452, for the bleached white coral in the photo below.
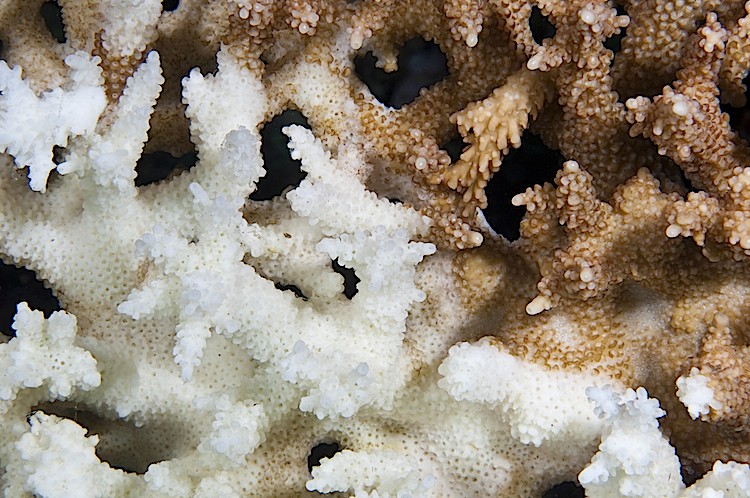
x=43, y=353
x=31, y=125
x=149, y=300
x=724, y=480
x=112, y=158
x=384, y=262
x=696, y=394
x=57, y=460
x=129, y=24
x=200, y=294
x=634, y=458
x=484, y=373
x=217, y=487
x=221, y=103
x=318, y=197
x=376, y=474
x=237, y=430
x=190, y=341
x=168, y=479
x=277, y=329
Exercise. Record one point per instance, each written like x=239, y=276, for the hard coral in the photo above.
x=207, y=345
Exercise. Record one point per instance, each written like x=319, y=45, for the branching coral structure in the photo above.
x=209, y=344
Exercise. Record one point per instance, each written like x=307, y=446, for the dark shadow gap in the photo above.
x=58, y=154
x=153, y=167
x=169, y=5
x=691, y=472
x=614, y=42
x=290, y=287
x=282, y=172
x=321, y=451
x=454, y=148
x=541, y=27
x=51, y=12
x=421, y=64
x=18, y=285
x=739, y=117
x=533, y=163
x=685, y=181
x=567, y=489
x=350, y=278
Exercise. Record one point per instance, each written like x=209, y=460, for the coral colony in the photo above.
x=384, y=323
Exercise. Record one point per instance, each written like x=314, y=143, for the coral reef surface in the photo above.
x=524, y=275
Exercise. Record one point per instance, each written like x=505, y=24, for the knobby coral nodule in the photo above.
x=206, y=346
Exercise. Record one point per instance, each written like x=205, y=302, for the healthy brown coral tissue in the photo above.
x=466, y=364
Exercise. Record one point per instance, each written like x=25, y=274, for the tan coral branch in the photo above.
x=718, y=385
x=687, y=125
x=491, y=127
x=736, y=62
x=590, y=257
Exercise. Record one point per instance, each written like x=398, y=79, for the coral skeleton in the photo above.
x=210, y=342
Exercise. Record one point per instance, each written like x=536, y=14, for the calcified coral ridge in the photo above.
x=205, y=346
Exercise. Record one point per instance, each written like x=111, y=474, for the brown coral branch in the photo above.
x=687, y=125
x=491, y=127
x=590, y=258
x=466, y=19
x=736, y=61
x=723, y=363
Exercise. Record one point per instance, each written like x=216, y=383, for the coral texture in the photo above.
x=208, y=342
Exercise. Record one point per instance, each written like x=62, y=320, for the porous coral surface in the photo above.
x=207, y=344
